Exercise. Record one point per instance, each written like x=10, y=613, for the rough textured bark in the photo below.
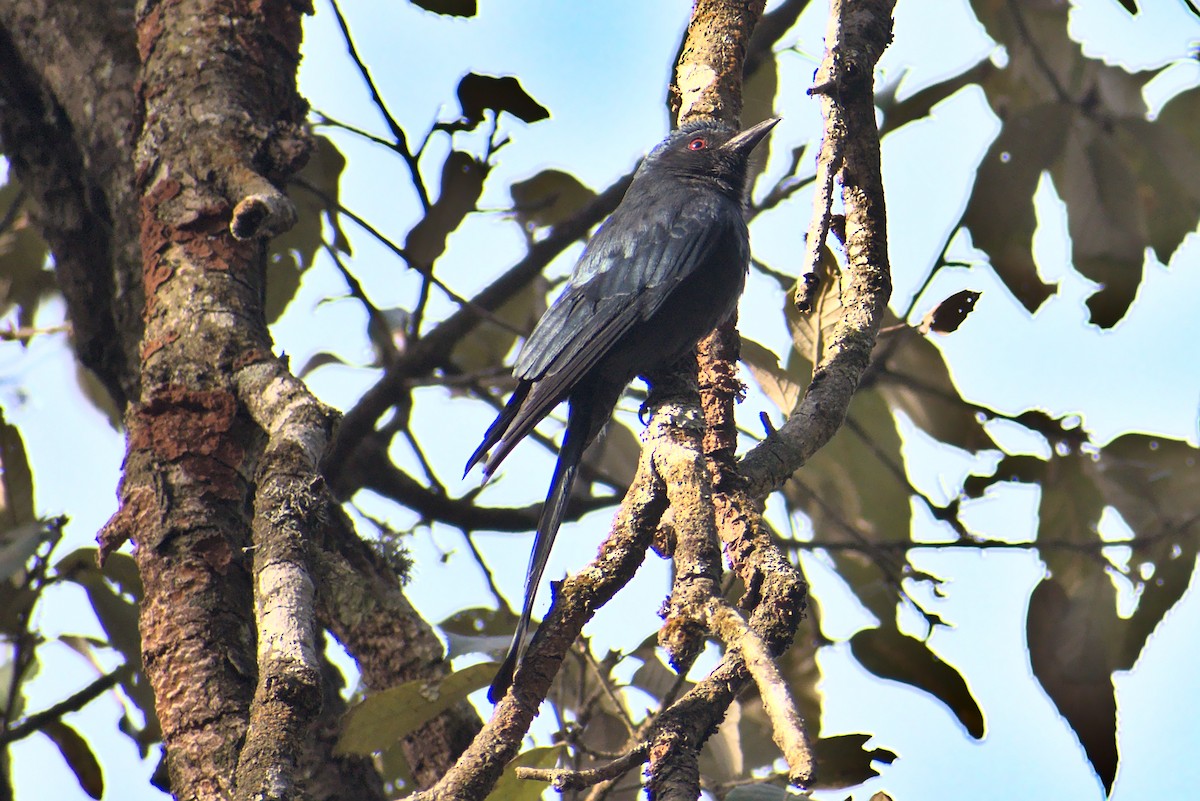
x=857, y=34
x=221, y=491
x=218, y=87
x=68, y=121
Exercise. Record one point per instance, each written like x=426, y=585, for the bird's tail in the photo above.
x=579, y=425
x=498, y=429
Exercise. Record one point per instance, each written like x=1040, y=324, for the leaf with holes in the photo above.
x=947, y=316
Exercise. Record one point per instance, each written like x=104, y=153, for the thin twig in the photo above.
x=401, y=143
x=73, y=703
x=578, y=779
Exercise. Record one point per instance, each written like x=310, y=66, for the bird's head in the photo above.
x=710, y=152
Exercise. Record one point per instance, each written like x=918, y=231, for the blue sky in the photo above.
x=602, y=70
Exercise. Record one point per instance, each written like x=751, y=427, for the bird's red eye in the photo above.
x=697, y=144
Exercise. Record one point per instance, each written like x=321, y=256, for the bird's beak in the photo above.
x=747, y=140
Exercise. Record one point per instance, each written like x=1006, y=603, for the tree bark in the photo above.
x=154, y=148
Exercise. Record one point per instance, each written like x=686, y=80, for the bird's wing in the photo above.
x=630, y=267
x=627, y=271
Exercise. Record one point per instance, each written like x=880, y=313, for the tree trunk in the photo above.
x=154, y=146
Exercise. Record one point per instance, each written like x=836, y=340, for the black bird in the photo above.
x=665, y=269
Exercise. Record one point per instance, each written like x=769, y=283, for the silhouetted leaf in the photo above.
x=15, y=601
x=453, y=8
x=1000, y=212
x=948, y=315
x=841, y=761
x=319, y=359
x=759, y=96
x=24, y=279
x=478, y=631
x=614, y=455
x=653, y=676
x=918, y=383
x=293, y=251
x=462, y=183
x=18, y=543
x=78, y=756
x=118, y=616
x=1071, y=653
x=384, y=717
x=16, y=480
x=478, y=93
x=829, y=490
x=891, y=655
x=721, y=757
x=491, y=340
x=1155, y=486
x=1127, y=183
x=844, y=761
x=1076, y=637
x=548, y=198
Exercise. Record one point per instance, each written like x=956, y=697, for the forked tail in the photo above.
x=579, y=423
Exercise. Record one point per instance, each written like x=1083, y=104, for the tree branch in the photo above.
x=73, y=703
x=857, y=35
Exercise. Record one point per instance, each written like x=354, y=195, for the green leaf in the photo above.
x=78, y=756
x=782, y=387
x=510, y=788
x=384, y=717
